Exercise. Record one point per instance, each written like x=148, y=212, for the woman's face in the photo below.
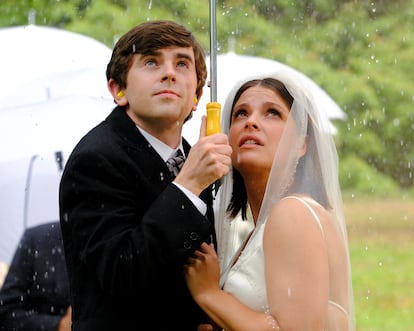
x=257, y=123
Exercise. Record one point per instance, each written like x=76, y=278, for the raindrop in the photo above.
x=182, y=207
x=380, y=263
x=150, y=4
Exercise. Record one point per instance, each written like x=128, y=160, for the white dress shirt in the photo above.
x=166, y=152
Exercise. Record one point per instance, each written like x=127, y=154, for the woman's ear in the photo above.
x=117, y=93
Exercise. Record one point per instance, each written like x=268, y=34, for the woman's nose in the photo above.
x=251, y=122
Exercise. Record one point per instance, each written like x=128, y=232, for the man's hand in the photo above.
x=65, y=323
x=209, y=159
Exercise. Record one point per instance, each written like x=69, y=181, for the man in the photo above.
x=127, y=229
x=35, y=294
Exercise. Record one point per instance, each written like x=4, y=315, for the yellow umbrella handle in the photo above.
x=213, y=118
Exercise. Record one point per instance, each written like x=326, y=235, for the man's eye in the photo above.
x=150, y=63
x=182, y=64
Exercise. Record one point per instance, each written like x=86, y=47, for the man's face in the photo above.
x=161, y=88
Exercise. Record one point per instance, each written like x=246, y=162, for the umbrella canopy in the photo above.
x=53, y=90
x=29, y=52
x=90, y=81
x=51, y=125
x=37, y=140
x=232, y=67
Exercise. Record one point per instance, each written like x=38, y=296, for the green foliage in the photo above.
x=356, y=174
x=359, y=51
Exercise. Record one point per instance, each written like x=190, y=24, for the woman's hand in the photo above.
x=202, y=272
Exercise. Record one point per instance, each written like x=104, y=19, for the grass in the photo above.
x=381, y=238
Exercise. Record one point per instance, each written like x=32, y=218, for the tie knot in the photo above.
x=175, y=162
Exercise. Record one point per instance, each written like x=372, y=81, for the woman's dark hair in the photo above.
x=238, y=201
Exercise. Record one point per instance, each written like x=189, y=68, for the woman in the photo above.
x=293, y=270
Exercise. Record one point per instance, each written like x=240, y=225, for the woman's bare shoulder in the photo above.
x=292, y=218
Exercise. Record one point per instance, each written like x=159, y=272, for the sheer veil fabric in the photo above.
x=315, y=174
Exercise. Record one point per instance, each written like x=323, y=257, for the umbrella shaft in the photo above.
x=213, y=52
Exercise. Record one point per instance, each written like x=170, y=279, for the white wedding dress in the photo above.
x=245, y=279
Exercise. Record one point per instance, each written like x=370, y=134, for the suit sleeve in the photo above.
x=124, y=225
x=19, y=310
x=174, y=220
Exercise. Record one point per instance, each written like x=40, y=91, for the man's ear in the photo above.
x=117, y=93
x=196, y=100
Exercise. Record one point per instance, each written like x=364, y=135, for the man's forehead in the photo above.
x=172, y=50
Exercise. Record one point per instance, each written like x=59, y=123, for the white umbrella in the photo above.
x=53, y=90
x=56, y=124
x=36, y=141
x=232, y=67
x=89, y=81
x=29, y=52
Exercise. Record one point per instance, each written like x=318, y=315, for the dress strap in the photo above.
x=338, y=306
x=315, y=216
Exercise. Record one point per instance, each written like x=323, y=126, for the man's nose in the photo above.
x=169, y=73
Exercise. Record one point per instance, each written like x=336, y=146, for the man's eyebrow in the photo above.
x=178, y=55
x=185, y=56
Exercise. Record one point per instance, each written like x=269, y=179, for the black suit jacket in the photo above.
x=127, y=231
x=35, y=294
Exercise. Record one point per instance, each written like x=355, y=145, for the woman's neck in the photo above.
x=255, y=189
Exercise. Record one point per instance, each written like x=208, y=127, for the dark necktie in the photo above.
x=175, y=162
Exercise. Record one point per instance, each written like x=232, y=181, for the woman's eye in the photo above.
x=274, y=112
x=239, y=113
